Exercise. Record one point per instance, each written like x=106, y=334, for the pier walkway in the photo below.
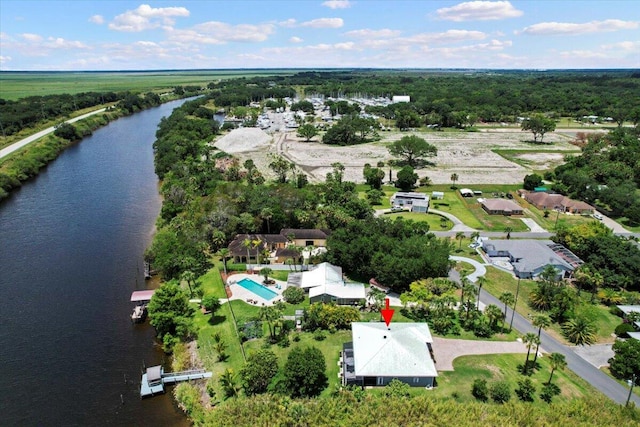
x=155, y=378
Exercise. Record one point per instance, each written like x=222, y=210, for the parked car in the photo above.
x=597, y=216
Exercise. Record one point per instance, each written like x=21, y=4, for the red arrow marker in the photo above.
x=387, y=313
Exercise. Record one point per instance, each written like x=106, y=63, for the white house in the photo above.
x=325, y=283
x=400, y=98
x=417, y=202
x=379, y=354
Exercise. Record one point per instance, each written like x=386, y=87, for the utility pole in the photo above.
x=513, y=312
x=632, y=382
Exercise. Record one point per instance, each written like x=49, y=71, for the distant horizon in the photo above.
x=126, y=35
x=182, y=70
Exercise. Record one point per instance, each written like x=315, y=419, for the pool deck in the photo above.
x=240, y=293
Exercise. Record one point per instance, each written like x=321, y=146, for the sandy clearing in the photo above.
x=467, y=154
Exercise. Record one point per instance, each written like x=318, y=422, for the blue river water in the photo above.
x=71, y=252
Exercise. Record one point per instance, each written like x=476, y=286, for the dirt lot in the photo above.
x=467, y=154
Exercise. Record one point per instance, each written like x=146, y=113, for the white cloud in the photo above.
x=60, y=43
x=571, y=29
x=295, y=39
x=624, y=46
x=479, y=11
x=449, y=36
x=337, y=4
x=289, y=23
x=372, y=34
x=34, y=38
x=4, y=59
x=97, y=19
x=581, y=54
x=145, y=17
x=214, y=32
x=323, y=23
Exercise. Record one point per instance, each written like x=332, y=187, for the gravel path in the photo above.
x=447, y=350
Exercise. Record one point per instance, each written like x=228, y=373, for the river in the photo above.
x=71, y=249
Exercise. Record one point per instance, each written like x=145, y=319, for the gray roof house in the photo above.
x=325, y=283
x=530, y=257
x=378, y=354
x=501, y=207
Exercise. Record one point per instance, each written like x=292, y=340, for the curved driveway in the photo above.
x=18, y=145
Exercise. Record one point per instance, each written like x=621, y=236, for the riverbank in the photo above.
x=24, y=164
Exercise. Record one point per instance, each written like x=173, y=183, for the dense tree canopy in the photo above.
x=170, y=312
x=626, y=361
x=304, y=372
x=396, y=252
x=260, y=369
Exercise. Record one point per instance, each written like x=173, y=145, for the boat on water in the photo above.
x=142, y=299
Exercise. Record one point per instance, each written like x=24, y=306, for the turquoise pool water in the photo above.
x=258, y=289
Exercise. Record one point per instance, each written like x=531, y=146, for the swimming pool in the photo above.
x=258, y=289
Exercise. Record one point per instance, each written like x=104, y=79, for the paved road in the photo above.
x=581, y=367
x=18, y=145
x=577, y=364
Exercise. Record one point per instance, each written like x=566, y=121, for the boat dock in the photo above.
x=141, y=298
x=154, y=379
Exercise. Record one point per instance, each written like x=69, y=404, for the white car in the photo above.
x=597, y=216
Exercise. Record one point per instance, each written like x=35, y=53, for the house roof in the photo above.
x=626, y=309
x=399, y=350
x=501, y=205
x=530, y=255
x=304, y=233
x=409, y=195
x=139, y=296
x=466, y=191
x=421, y=202
x=634, y=335
x=553, y=200
x=344, y=290
x=323, y=274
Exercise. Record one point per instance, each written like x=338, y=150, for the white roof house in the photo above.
x=400, y=350
x=626, y=309
x=400, y=98
x=325, y=283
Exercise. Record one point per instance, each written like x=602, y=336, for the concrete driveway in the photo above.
x=598, y=354
x=447, y=350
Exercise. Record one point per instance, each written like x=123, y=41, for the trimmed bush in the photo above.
x=623, y=328
x=293, y=295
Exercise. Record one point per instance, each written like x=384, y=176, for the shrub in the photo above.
x=623, y=328
x=526, y=390
x=319, y=335
x=500, y=392
x=548, y=391
x=293, y=295
x=479, y=390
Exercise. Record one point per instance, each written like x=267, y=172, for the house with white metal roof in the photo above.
x=381, y=353
x=325, y=283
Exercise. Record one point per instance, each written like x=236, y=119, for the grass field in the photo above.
x=15, y=85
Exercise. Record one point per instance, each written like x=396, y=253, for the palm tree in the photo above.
x=508, y=230
x=494, y=314
x=481, y=282
x=266, y=271
x=529, y=339
x=459, y=236
x=228, y=383
x=221, y=348
x=557, y=361
x=541, y=321
x=189, y=277
x=454, y=179
x=250, y=244
x=474, y=236
x=270, y=314
x=507, y=298
x=580, y=330
x=224, y=253
x=267, y=214
x=218, y=238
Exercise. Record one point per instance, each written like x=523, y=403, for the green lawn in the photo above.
x=330, y=348
x=499, y=281
x=434, y=220
x=505, y=367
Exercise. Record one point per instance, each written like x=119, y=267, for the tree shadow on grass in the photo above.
x=216, y=319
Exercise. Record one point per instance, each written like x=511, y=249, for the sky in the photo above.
x=214, y=34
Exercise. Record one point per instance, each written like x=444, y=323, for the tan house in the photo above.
x=501, y=207
x=558, y=202
x=277, y=248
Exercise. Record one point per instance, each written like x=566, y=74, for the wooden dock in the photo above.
x=154, y=379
